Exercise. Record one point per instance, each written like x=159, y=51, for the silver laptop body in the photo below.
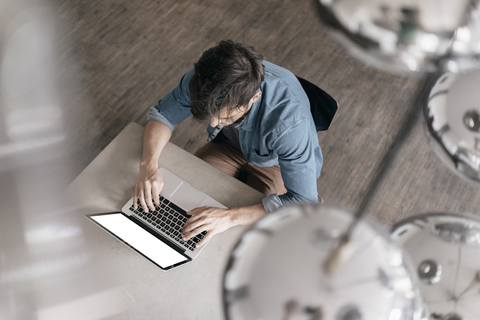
x=155, y=235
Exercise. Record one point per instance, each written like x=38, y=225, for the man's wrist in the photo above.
x=234, y=216
x=246, y=215
x=149, y=164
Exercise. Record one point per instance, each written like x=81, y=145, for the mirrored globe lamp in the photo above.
x=276, y=271
x=407, y=36
x=451, y=119
x=445, y=250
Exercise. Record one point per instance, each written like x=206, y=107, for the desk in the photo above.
x=192, y=291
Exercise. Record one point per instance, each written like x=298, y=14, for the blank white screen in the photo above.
x=140, y=239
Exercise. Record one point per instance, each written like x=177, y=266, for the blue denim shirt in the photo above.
x=278, y=129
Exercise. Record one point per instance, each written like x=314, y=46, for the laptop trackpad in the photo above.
x=187, y=197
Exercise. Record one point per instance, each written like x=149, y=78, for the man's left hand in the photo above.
x=210, y=219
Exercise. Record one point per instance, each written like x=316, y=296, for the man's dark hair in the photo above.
x=226, y=76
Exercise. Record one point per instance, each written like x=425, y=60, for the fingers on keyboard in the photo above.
x=169, y=219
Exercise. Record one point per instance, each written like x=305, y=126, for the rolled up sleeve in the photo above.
x=175, y=106
x=300, y=159
x=271, y=203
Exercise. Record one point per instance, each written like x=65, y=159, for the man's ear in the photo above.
x=256, y=96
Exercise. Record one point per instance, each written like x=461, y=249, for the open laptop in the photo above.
x=155, y=235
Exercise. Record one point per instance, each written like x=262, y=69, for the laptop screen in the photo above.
x=139, y=239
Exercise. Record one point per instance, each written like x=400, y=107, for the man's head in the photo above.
x=226, y=82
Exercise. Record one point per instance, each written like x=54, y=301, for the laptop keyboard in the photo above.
x=169, y=220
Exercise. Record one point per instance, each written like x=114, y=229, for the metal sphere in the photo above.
x=276, y=271
x=407, y=36
x=450, y=245
x=452, y=122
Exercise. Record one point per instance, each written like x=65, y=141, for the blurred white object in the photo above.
x=451, y=118
x=450, y=242
x=276, y=271
x=45, y=265
x=407, y=36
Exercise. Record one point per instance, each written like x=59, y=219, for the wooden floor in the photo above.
x=120, y=57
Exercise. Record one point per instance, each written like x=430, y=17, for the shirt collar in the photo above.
x=249, y=123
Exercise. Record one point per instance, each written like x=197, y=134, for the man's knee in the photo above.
x=213, y=154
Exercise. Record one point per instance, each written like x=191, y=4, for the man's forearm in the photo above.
x=155, y=138
x=216, y=220
x=247, y=215
x=149, y=181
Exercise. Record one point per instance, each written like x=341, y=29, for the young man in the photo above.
x=261, y=130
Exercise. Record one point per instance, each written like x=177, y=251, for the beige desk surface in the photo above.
x=192, y=291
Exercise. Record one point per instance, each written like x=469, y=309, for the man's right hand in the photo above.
x=150, y=180
x=149, y=184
